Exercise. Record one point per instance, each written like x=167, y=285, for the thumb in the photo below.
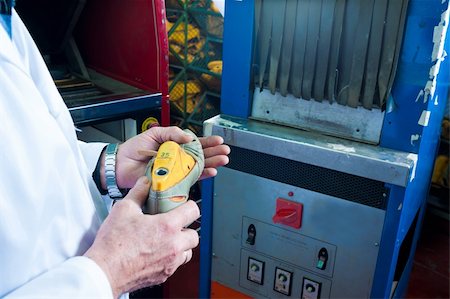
x=139, y=193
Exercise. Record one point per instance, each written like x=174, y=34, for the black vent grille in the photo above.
x=318, y=179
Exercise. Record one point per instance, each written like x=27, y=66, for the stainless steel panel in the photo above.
x=335, y=119
x=351, y=231
x=346, y=156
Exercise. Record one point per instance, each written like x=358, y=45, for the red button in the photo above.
x=288, y=213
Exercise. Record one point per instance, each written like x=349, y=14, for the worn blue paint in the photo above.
x=412, y=76
x=237, y=52
x=206, y=238
x=384, y=271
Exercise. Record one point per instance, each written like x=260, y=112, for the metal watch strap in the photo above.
x=110, y=171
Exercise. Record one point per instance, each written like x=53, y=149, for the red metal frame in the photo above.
x=127, y=41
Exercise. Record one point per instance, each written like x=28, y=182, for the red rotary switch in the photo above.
x=288, y=213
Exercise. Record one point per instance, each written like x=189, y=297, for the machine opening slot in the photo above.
x=316, y=52
x=92, y=67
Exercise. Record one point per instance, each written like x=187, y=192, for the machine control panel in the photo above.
x=304, y=253
x=268, y=277
x=312, y=254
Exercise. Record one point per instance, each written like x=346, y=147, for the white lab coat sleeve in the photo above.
x=91, y=152
x=77, y=277
x=47, y=214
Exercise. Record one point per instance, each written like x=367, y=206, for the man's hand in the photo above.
x=131, y=163
x=137, y=250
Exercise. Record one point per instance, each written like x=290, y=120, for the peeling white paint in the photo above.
x=439, y=34
x=433, y=72
x=413, y=157
x=342, y=148
x=439, y=37
x=414, y=138
x=421, y=93
x=429, y=89
x=424, y=118
x=436, y=102
x=438, y=55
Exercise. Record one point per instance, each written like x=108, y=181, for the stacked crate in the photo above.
x=195, y=30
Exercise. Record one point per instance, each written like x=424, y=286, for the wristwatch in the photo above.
x=110, y=171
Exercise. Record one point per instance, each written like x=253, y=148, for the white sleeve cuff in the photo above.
x=77, y=277
x=91, y=152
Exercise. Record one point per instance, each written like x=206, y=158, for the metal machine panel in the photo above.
x=333, y=119
x=417, y=68
x=359, y=159
x=350, y=232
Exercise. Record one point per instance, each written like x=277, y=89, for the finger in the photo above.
x=139, y=193
x=187, y=256
x=191, y=238
x=216, y=161
x=222, y=149
x=163, y=134
x=184, y=214
x=208, y=173
x=211, y=141
x=211, y=164
x=184, y=257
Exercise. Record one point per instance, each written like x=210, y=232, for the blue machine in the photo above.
x=333, y=111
